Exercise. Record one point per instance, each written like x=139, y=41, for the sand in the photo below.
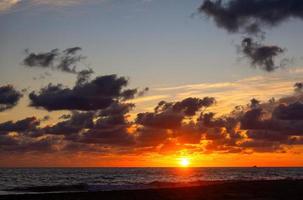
x=252, y=190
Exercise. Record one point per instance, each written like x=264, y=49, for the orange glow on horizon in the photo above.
x=171, y=159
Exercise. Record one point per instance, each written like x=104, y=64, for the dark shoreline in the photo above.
x=238, y=190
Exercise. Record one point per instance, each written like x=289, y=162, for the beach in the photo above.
x=232, y=190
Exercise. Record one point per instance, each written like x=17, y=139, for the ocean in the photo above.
x=43, y=180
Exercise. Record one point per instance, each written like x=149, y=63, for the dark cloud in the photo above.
x=163, y=120
x=69, y=60
x=171, y=120
x=263, y=146
x=142, y=92
x=25, y=136
x=72, y=50
x=292, y=111
x=55, y=59
x=84, y=76
x=99, y=93
x=41, y=59
x=73, y=147
x=27, y=124
x=254, y=103
x=9, y=97
x=190, y=106
x=114, y=136
x=251, y=16
x=282, y=116
x=272, y=126
x=149, y=136
x=252, y=119
x=110, y=126
x=103, y=127
x=171, y=114
x=261, y=55
x=19, y=145
x=268, y=135
x=102, y=119
x=6, y=140
x=72, y=124
x=298, y=87
x=99, y=113
x=80, y=131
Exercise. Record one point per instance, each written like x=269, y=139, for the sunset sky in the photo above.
x=150, y=82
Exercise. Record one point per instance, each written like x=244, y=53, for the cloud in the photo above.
x=115, y=136
x=171, y=114
x=110, y=127
x=24, y=136
x=9, y=97
x=84, y=76
x=65, y=61
x=260, y=55
x=191, y=123
x=170, y=121
x=72, y=124
x=151, y=137
x=142, y=92
x=99, y=93
x=15, y=145
x=239, y=92
x=272, y=126
x=57, y=2
x=107, y=127
x=8, y=4
x=298, y=86
x=24, y=125
x=251, y=16
x=293, y=111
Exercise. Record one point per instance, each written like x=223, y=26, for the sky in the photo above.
x=149, y=82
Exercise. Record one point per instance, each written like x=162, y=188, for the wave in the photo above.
x=114, y=187
x=52, y=188
x=104, y=187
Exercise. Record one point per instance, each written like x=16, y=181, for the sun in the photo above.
x=184, y=162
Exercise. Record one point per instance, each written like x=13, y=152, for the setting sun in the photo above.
x=184, y=162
